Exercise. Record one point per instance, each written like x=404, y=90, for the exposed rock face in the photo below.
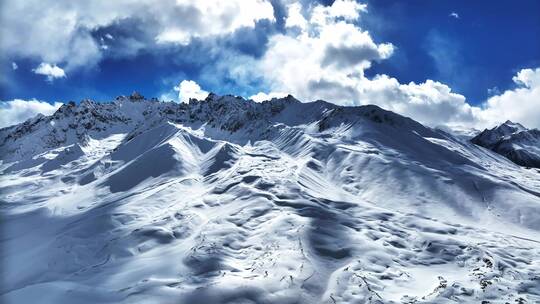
x=514, y=141
x=71, y=123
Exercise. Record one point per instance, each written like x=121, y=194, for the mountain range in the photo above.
x=226, y=200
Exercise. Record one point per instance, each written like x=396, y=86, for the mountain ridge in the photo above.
x=514, y=141
x=224, y=200
x=93, y=116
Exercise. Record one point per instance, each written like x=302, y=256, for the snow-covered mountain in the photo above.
x=225, y=200
x=514, y=141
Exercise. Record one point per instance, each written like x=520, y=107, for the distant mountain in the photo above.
x=225, y=200
x=514, y=141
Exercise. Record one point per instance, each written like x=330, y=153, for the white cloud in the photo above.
x=347, y=9
x=434, y=104
x=454, y=15
x=322, y=54
x=528, y=78
x=174, y=36
x=261, y=96
x=214, y=17
x=14, y=66
x=50, y=70
x=295, y=17
x=326, y=59
x=16, y=111
x=430, y=102
x=521, y=104
x=48, y=31
x=189, y=89
x=168, y=96
x=61, y=31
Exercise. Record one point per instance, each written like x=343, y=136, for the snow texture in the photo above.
x=226, y=200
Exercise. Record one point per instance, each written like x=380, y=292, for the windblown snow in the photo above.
x=225, y=200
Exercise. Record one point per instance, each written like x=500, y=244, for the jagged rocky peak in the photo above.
x=228, y=98
x=135, y=114
x=87, y=103
x=212, y=97
x=66, y=107
x=514, y=141
x=288, y=99
x=490, y=137
x=515, y=124
x=71, y=107
x=509, y=127
x=136, y=96
x=227, y=112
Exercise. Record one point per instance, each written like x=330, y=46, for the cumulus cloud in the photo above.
x=16, y=111
x=318, y=52
x=430, y=102
x=326, y=58
x=63, y=32
x=346, y=9
x=295, y=17
x=528, y=78
x=261, y=96
x=51, y=71
x=213, y=17
x=47, y=31
x=189, y=89
x=521, y=104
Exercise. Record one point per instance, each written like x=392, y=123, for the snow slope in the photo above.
x=225, y=200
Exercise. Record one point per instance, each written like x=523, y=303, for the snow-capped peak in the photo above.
x=225, y=200
x=72, y=122
x=514, y=141
x=509, y=127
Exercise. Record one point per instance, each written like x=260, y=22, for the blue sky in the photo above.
x=464, y=52
x=481, y=50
